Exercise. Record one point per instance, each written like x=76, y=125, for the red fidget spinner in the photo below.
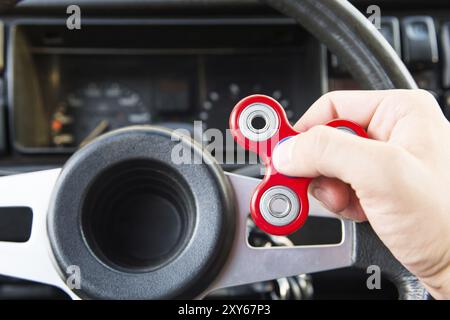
x=279, y=204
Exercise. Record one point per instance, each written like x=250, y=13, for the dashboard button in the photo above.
x=2, y=118
x=445, y=42
x=390, y=29
x=419, y=40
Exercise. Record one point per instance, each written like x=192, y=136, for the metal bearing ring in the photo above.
x=346, y=129
x=279, y=205
x=254, y=111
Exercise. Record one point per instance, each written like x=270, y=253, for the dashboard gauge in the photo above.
x=95, y=109
x=219, y=102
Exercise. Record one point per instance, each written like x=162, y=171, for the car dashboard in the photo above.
x=185, y=68
x=83, y=84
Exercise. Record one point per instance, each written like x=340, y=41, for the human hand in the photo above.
x=399, y=180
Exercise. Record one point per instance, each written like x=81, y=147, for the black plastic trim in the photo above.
x=199, y=262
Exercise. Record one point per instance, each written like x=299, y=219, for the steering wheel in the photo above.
x=92, y=234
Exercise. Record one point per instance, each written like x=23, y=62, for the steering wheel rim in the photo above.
x=348, y=34
x=371, y=61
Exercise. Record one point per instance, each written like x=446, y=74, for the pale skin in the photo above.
x=398, y=180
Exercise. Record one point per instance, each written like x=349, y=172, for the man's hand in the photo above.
x=399, y=181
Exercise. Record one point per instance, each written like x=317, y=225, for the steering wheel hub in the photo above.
x=138, y=225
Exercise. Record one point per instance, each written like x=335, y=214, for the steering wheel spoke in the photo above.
x=247, y=264
x=31, y=260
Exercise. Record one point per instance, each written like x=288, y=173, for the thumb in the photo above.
x=326, y=151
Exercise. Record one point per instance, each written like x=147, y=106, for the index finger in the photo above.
x=358, y=106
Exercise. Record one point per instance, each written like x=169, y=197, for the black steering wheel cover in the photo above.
x=348, y=34
x=203, y=256
x=370, y=250
x=372, y=62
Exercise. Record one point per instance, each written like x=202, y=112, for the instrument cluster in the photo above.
x=67, y=91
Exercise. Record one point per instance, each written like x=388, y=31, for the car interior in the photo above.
x=184, y=65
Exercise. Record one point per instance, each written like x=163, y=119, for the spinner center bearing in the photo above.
x=258, y=122
x=279, y=205
x=137, y=224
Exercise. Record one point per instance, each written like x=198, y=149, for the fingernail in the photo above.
x=281, y=156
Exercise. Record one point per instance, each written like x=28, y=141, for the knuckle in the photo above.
x=424, y=94
x=412, y=94
x=422, y=98
x=319, y=135
x=320, y=143
x=406, y=101
x=424, y=101
x=331, y=95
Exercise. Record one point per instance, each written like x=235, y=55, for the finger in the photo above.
x=358, y=106
x=326, y=151
x=338, y=197
x=377, y=111
x=354, y=210
x=333, y=193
